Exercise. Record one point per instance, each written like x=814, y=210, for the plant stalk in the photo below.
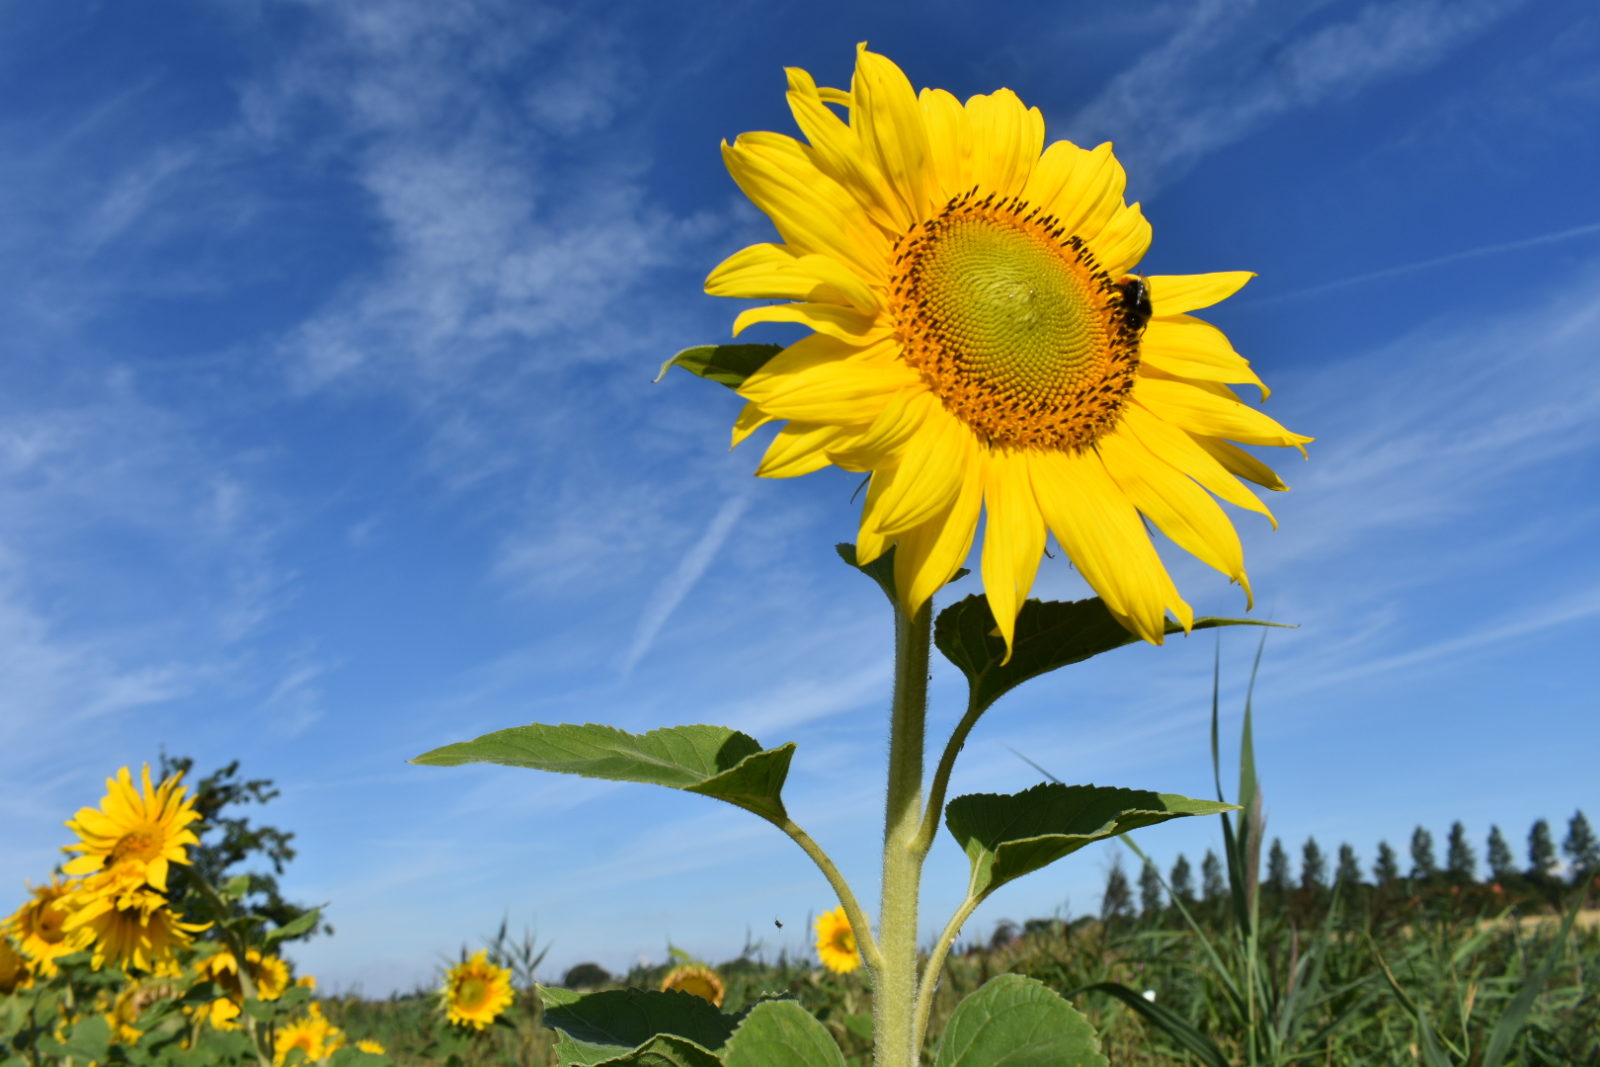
x=895, y=980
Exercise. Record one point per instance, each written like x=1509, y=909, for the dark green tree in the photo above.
x=1212, y=886
x=1423, y=866
x=1313, y=867
x=1501, y=864
x=230, y=844
x=1348, y=874
x=1581, y=846
x=1278, y=877
x=1386, y=870
x=1541, y=852
x=1117, y=900
x=1150, y=900
x=1460, y=862
x=1182, y=881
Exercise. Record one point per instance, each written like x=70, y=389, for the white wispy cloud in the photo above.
x=1236, y=65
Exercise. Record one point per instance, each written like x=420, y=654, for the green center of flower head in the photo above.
x=472, y=992
x=1014, y=325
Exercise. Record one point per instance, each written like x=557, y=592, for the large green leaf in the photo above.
x=1008, y=835
x=1014, y=1021
x=665, y=1050
x=780, y=1033
x=598, y=1027
x=713, y=760
x=728, y=365
x=1050, y=634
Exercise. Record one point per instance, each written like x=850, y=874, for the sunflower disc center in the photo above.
x=1014, y=325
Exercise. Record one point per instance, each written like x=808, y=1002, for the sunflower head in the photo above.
x=136, y=832
x=698, y=979
x=983, y=346
x=127, y=928
x=39, y=925
x=836, y=942
x=476, y=991
x=15, y=972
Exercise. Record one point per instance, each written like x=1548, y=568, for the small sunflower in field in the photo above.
x=134, y=1000
x=476, y=991
x=983, y=345
x=269, y=973
x=307, y=1035
x=366, y=1044
x=131, y=928
x=136, y=833
x=695, y=978
x=836, y=942
x=15, y=973
x=38, y=925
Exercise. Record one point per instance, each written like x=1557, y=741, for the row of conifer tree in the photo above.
x=1543, y=875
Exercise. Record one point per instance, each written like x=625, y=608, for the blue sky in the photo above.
x=328, y=436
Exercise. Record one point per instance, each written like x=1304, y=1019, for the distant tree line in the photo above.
x=1388, y=887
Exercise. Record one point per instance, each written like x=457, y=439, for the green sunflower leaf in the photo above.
x=665, y=1050
x=780, y=1033
x=1008, y=836
x=713, y=760
x=729, y=365
x=600, y=1027
x=1013, y=1021
x=1050, y=634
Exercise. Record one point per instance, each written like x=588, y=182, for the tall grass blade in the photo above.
x=1166, y=1020
x=1516, y=1014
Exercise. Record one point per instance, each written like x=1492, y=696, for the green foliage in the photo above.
x=1348, y=874
x=598, y=1027
x=1182, y=878
x=228, y=841
x=712, y=760
x=1050, y=634
x=1460, y=862
x=1008, y=836
x=1013, y=1021
x=1313, y=867
x=727, y=365
x=1581, y=846
x=1501, y=865
x=1424, y=868
x=780, y=1033
x=1278, y=876
x=1149, y=890
x=1386, y=868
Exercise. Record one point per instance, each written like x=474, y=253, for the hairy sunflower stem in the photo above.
x=859, y=924
x=895, y=980
x=930, y=973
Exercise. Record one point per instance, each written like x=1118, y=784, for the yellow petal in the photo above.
x=926, y=479
x=774, y=271
x=949, y=142
x=927, y=556
x=1006, y=140
x=1013, y=539
x=838, y=153
x=879, y=446
x=1186, y=347
x=799, y=448
x=1183, y=451
x=834, y=320
x=845, y=392
x=1099, y=529
x=1202, y=412
x=889, y=120
x=810, y=210
x=1122, y=242
x=1242, y=463
x=1170, y=499
x=751, y=418
x=1090, y=194
x=1173, y=294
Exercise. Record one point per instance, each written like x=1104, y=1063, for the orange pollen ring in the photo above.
x=1014, y=325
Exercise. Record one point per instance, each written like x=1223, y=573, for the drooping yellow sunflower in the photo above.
x=135, y=833
x=698, y=979
x=127, y=928
x=134, y=1000
x=308, y=1035
x=982, y=345
x=15, y=973
x=367, y=1044
x=269, y=973
x=37, y=925
x=476, y=992
x=836, y=942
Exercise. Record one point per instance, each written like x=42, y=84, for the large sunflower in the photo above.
x=131, y=928
x=981, y=344
x=135, y=833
